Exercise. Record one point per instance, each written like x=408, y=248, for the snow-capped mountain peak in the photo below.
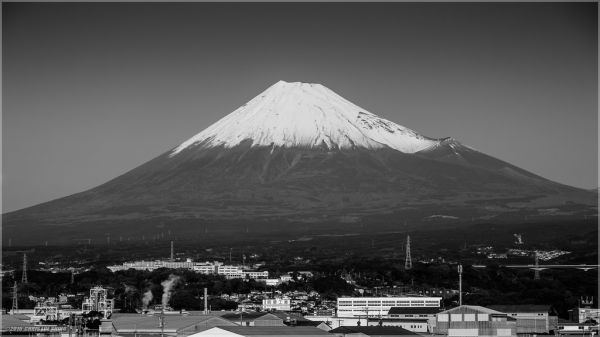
x=306, y=115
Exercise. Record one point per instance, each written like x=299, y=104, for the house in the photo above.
x=531, y=319
x=238, y=331
x=472, y=320
x=416, y=319
x=373, y=331
x=171, y=325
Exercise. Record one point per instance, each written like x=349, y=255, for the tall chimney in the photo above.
x=172, y=253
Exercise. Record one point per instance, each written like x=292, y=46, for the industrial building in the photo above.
x=471, y=320
x=378, y=307
x=531, y=319
x=171, y=325
x=585, y=311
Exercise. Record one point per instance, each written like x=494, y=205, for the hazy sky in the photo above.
x=92, y=90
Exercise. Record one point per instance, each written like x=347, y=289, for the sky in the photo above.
x=92, y=90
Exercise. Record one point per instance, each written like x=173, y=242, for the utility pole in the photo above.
x=460, y=271
x=408, y=260
x=536, y=274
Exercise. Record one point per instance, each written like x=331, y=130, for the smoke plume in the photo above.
x=167, y=287
x=147, y=298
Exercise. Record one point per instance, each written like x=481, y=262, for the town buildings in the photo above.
x=218, y=268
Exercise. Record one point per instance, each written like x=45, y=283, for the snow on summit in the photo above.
x=306, y=115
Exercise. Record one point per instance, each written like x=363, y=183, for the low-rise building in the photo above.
x=280, y=304
x=576, y=329
x=531, y=319
x=417, y=319
x=470, y=320
x=131, y=325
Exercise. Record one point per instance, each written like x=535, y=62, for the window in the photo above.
x=456, y=317
x=442, y=317
x=469, y=317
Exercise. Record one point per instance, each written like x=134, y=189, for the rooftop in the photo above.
x=528, y=308
x=413, y=310
x=375, y=330
x=270, y=331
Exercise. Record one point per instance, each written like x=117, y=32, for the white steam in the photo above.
x=147, y=298
x=167, y=288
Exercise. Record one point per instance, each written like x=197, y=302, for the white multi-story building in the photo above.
x=205, y=268
x=380, y=306
x=230, y=271
x=256, y=274
x=280, y=304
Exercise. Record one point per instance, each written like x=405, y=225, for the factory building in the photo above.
x=531, y=319
x=378, y=307
x=472, y=320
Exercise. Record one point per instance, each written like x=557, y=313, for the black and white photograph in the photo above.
x=199, y=169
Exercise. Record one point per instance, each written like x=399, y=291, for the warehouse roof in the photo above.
x=264, y=331
x=374, y=330
x=137, y=322
x=515, y=308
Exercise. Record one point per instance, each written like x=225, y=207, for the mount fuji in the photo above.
x=299, y=153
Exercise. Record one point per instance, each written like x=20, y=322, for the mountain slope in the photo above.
x=299, y=153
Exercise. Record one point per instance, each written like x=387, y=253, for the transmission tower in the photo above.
x=15, y=304
x=72, y=276
x=536, y=275
x=24, y=276
x=408, y=261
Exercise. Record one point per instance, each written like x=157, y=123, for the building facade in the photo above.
x=468, y=320
x=281, y=304
x=378, y=307
x=531, y=319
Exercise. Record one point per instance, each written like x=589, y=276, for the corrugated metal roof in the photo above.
x=275, y=330
x=470, y=309
x=517, y=308
x=171, y=322
x=375, y=330
x=13, y=321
